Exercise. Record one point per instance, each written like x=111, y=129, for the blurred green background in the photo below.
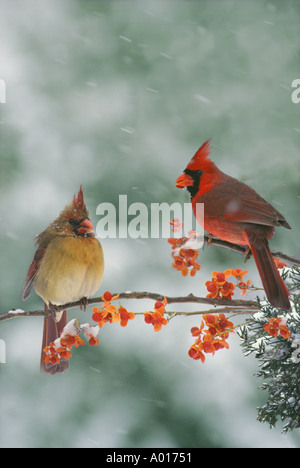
x=117, y=96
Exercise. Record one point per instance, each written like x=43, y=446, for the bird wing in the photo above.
x=249, y=207
x=32, y=271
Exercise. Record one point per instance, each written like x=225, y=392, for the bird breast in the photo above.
x=72, y=268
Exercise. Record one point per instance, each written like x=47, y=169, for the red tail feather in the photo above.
x=52, y=331
x=276, y=291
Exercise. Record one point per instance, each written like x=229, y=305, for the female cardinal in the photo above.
x=67, y=266
x=234, y=212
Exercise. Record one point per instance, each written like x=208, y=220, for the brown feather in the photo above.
x=68, y=265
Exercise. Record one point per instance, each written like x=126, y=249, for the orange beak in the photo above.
x=184, y=181
x=85, y=226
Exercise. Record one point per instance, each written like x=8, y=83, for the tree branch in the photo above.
x=229, y=305
x=239, y=306
x=242, y=249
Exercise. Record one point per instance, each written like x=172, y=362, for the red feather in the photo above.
x=234, y=212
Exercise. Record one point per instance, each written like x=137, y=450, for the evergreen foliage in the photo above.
x=279, y=359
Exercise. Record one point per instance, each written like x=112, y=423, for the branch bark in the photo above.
x=239, y=306
x=228, y=305
x=242, y=249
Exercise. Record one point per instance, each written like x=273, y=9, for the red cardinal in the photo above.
x=234, y=212
x=67, y=266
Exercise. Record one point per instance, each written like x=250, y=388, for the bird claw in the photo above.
x=52, y=309
x=247, y=253
x=209, y=240
x=83, y=303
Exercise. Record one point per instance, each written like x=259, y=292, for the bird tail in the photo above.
x=52, y=331
x=276, y=291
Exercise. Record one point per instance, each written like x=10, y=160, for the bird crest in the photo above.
x=201, y=157
x=78, y=201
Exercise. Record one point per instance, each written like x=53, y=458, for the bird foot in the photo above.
x=83, y=303
x=53, y=310
x=209, y=240
x=247, y=254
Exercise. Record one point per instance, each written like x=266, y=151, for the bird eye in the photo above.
x=73, y=221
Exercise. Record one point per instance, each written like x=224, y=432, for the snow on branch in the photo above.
x=228, y=305
x=240, y=306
